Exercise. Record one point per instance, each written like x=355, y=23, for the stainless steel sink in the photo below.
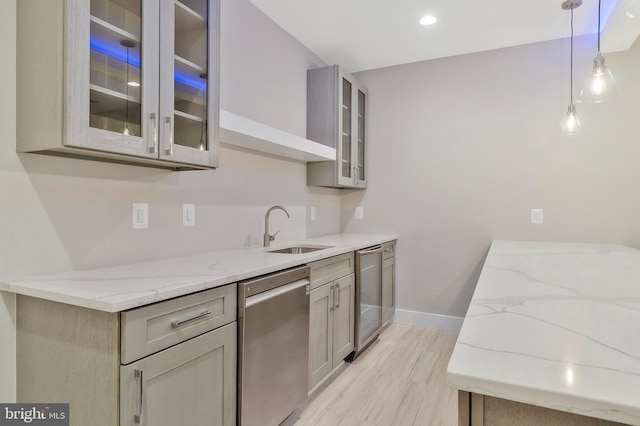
x=301, y=249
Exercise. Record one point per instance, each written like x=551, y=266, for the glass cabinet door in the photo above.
x=187, y=102
x=345, y=154
x=120, y=72
x=361, y=141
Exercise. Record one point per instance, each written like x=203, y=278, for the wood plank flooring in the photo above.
x=400, y=380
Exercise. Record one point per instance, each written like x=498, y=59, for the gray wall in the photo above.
x=462, y=148
x=58, y=214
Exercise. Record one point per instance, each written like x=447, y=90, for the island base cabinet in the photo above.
x=481, y=410
x=193, y=383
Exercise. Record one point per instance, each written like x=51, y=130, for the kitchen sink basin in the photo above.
x=299, y=249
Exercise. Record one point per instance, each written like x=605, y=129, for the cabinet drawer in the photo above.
x=327, y=270
x=389, y=249
x=151, y=328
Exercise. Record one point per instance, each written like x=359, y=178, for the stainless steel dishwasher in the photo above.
x=273, y=346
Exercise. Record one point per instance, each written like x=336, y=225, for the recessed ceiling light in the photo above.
x=428, y=20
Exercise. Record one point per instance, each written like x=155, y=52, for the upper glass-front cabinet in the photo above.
x=336, y=116
x=127, y=90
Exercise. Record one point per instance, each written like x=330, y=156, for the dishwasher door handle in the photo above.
x=270, y=294
x=370, y=250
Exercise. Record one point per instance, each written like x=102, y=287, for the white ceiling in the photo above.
x=367, y=34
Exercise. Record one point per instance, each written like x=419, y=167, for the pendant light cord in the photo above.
x=571, y=61
x=127, y=90
x=599, y=2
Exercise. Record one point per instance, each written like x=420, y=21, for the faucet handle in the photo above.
x=273, y=237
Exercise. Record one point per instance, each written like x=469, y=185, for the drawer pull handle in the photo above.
x=137, y=418
x=176, y=324
x=337, y=291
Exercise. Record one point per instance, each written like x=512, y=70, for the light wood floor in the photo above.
x=400, y=380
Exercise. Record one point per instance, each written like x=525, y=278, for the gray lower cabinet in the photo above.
x=169, y=363
x=331, y=322
x=192, y=383
x=331, y=327
x=388, y=281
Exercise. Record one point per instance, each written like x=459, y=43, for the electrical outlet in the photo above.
x=359, y=213
x=188, y=214
x=140, y=216
x=312, y=212
x=537, y=216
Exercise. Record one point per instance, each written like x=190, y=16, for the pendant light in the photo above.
x=571, y=123
x=600, y=84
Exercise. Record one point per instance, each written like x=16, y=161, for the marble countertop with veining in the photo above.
x=124, y=287
x=555, y=325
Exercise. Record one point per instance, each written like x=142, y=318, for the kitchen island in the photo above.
x=551, y=336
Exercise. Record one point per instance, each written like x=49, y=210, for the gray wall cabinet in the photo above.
x=337, y=117
x=134, y=81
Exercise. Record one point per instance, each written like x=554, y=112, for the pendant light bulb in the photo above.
x=571, y=122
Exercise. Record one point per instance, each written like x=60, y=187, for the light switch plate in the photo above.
x=312, y=212
x=359, y=213
x=188, y=214
x=140, y=216
x=537, y=216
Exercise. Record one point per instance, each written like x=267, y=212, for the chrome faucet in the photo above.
x=268, y=238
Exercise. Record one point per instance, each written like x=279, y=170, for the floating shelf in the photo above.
x=246, y=133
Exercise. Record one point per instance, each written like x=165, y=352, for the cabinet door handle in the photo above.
x=337, y=291
x=176, y=324
x=333, y=296
x=169, y=138
x=153, y=130
x=137, y=418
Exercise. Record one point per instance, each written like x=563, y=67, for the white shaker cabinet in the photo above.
x=337, y=117
x=132, y=81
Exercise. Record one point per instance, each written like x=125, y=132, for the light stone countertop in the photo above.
x=124, y=287
x=555, y=325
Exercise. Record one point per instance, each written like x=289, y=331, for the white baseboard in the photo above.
x=425, y=320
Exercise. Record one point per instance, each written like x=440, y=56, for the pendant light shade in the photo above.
x=600, y=85
x=571, y=122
